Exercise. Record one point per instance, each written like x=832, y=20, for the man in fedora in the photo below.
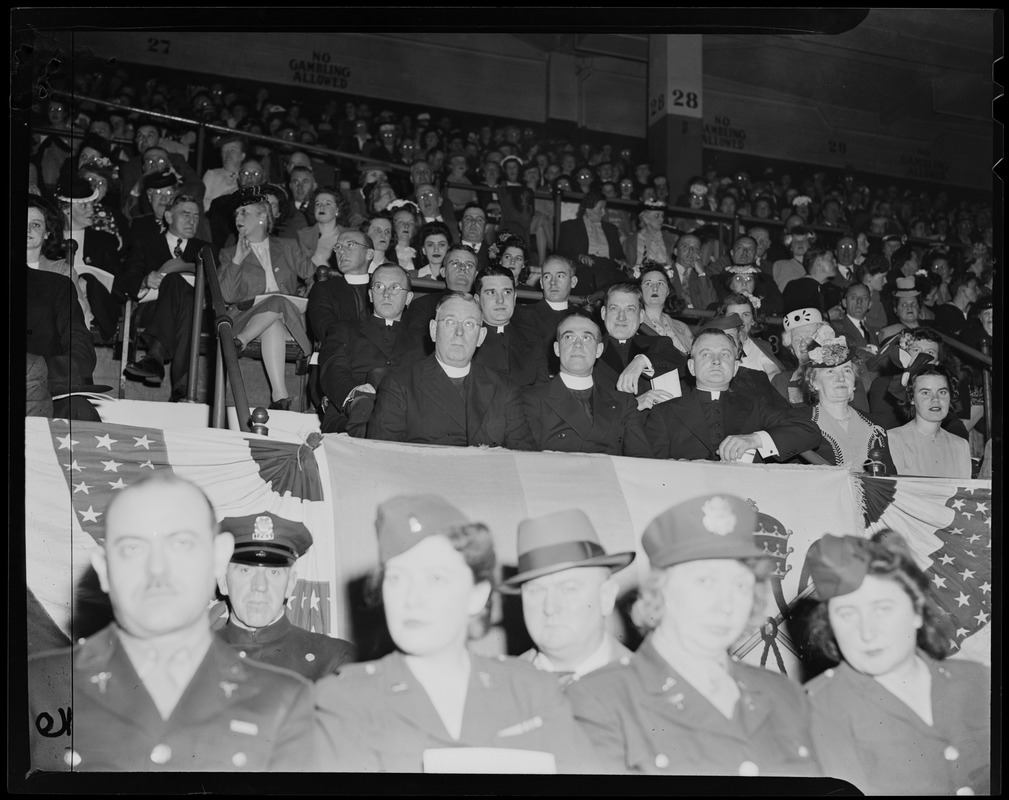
x=568, y=593
x=257, y=583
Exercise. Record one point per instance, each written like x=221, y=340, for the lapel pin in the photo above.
x=101, y=680
x=228, y=688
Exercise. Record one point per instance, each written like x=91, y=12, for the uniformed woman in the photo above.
x=432, y=705
x=681, y=705
x=893, y=717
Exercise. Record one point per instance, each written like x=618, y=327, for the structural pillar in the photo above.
x=675, y=108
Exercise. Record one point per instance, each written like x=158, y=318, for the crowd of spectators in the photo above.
x=876, y=262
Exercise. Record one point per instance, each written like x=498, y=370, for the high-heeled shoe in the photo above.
x=239, y=346
x=283, y=404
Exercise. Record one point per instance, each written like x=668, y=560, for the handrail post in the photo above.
x=196, y=328
x=220, y=418
x=201, y=136
x=987, y=389
x=558, y=201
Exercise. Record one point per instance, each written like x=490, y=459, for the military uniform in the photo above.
x=642, y=716
x=865, y=735
x=284, y=644
x=611, y=650
x=234, y=714
x=377, y=716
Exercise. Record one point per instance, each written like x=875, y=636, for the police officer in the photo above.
x=258, y=581
x=680, y=704
x=155, y=690
x=568, y=594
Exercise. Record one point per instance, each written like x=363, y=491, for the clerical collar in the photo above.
x=576, y=381
x=357, y=280
x=497, y=328
x=388, y=322
x=715, y=393
x=562, y=306
x=453, y=372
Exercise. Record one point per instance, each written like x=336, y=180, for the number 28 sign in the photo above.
x=679, y=102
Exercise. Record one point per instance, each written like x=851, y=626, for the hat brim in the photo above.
x=615, y=562
x=259, y=555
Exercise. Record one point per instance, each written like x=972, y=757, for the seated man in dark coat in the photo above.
x=257, y=583
x=446, y=399
x=557, y=281
x=714, y=423
x=508, y=349
x=592, y=244
x=157, y=263
x=357, y=354
x=629, y=359
x=574, y=413
x=460, y=266
x=343, y=296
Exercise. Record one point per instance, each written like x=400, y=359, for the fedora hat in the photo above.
x=559, y=541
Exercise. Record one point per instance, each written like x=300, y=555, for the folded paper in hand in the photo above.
x=669, y=381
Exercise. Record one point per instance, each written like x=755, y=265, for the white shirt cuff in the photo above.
x=649, y=370
x=767, y=446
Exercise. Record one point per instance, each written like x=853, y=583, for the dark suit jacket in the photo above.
x=420, y=404
x=221, y=215
x=102, y=250
x=679, y=429
x=542, y=321
x=856, y=341
x=574, y=242
x=659, y=349
x=701, y=291
x=149, y=252
x=235, y=714
x=419, y=314
x=448, y=216
x=558, y=421
x=294, y=221
x=806, y=292
x=55, y=330
x=354, y=348
x=331, y=301
x=377, y=717
x=519, y=352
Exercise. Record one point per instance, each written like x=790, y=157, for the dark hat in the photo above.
x=275, y=189
x=73, y=188
x=559, y=541
x=838, y=564
x=265, y=538
x=651, y=205
x=96, y=142
x=405, y=520
x=711, y=526
x=161, y=180
x=250, y=196
x=726, y=323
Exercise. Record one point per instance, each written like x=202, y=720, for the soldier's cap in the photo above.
x=160, y=180
x=838, y=564
x=801, y=316
x=726, y=323
x=559, y=541
x=405, y=520
x=710, y=526
x=266, y=539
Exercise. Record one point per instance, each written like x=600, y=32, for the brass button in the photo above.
x=161, y=754
x=239, y=759
x=951, y=753
x=662, y=761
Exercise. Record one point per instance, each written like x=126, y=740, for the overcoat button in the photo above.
x=71, y=758
x=951, y=753
x=662, y=761
x=161, y=754
x=309, y=656
x=803, y=751
x=241, y=654
x=748, y=769
x=239, y=759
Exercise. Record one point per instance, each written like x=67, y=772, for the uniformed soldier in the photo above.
x=680, y=705
x=258, y=581
x=156, y=690
x=432, y=705
x=568, y=594
x=895, y=717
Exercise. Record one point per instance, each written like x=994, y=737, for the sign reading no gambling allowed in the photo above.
x=319, y=70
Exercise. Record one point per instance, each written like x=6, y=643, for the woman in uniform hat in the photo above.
x=432, y=705
x=681, y=704
x=258, y=265
x=893, y=717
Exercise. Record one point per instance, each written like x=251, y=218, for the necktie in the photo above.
x=178, y=249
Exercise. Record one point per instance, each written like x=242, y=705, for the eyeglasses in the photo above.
x=339, y=247
x=451, y=323
x=425, y=194
x=390, y=288
x=463, y=265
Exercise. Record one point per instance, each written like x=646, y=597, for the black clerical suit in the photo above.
x=595, y=420
x=513, y=352
x=358, y=352
x=332, y=300
x=616, y=356
x=693, y=426
x=420, y=403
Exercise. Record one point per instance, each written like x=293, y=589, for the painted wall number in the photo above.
x=837, y=147
x=158, y=45
x=681, y=98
